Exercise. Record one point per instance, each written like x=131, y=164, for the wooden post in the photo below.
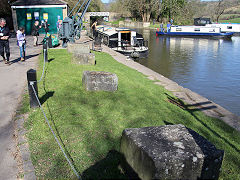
x=32, y=78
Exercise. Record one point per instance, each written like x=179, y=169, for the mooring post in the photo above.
x=45, y=51
x=32, y=83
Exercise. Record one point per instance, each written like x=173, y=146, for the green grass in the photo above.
x=157, y=25
x=90, y=124
x=236, y=20
x=117, y=21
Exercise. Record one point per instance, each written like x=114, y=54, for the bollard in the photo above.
x=32, y=78
x=45, y=52
x=50, y=41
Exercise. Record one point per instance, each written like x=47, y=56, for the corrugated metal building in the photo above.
x=25, y=12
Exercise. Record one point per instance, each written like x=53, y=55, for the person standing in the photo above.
x=35, y=32
x=168, y=26
x=46, y=26
x=21, y=42
x=4, y=43
x=161, y=27
x=94, y=29
x=59, y=25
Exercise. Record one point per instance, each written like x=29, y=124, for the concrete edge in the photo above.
x=200, y=103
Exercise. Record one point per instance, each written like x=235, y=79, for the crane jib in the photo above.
x=72, y=25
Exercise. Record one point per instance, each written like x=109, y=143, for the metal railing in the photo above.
x=126, y=45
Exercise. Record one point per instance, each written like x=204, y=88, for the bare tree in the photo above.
x=220, y=8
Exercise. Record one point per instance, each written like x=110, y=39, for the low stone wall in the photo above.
x=78, y=48
x=170, y=152
x=83, y=58
x=134, y=24
x=81, y=54
x=99, y=81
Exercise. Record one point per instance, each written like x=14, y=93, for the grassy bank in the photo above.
x=236, y=20
x=90, y=123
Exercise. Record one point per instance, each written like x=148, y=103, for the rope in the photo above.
x=44, y=51
x=69, y=162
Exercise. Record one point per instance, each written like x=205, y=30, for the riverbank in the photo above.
x=90, y=124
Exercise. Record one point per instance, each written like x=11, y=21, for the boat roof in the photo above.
x=195, y=26
x=108, y=30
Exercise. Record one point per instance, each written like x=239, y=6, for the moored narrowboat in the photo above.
x=123, y=40
x=196, y=31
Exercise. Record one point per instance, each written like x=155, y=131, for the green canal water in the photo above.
x=209, y=67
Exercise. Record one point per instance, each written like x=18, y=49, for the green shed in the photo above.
x=26, y=12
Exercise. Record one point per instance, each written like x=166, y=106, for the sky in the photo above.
x=105, y=1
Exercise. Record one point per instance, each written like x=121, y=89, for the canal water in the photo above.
x=209, y=67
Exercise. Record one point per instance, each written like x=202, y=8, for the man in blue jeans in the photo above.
x=4, y=43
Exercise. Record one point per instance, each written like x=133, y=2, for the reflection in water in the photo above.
x=210, y=67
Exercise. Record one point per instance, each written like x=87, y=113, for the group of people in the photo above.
x=21, y=39
x=169, y=24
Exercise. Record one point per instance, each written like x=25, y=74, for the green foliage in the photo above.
x=236, y=20
x=95, y=6
x=90, y=124
x=5, y=9
x=117, y=21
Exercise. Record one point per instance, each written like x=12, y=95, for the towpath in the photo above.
x=12, y=83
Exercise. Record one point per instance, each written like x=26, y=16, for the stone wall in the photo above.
x=132, y=24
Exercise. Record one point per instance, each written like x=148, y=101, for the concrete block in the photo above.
x=83, y=59
x=78, y=48
x=99, y=81
x=170, y=152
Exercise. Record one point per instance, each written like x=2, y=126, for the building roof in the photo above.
x=38, y=2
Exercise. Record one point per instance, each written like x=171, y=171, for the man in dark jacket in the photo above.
x=35, y=33
x=4, y=43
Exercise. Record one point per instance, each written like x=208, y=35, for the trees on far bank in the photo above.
x=183, y=11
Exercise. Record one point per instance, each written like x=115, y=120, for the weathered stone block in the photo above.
x=170, y=152
x=78, y=48
x=83, y=59
x=99, y=81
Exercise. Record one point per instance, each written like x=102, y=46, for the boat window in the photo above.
x=197, y=29
x=229, y=27
x=178, y=29
x=212, y=30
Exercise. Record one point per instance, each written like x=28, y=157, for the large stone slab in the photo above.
x=83, y=59
x=170, y=152
x=99, y=81
x=78, y=48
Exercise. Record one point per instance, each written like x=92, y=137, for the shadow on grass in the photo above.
x=52, y=59
x=46, y=96
x=180, y=103
x=209, y=150
x=190, y=107
x=113, y=166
